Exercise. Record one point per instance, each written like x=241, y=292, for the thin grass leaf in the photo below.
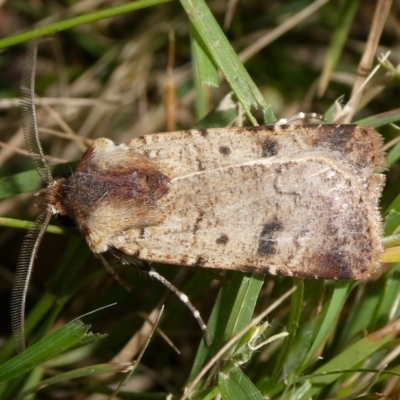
x=308, y=325
x=224, y=56
x=391, y=255
x=235, y=385
x=75, y=374
x=45, y=303
x=359, y=318
x=226, y=112
x=29, y=181
x=71, y=335
x=63, y=285
x=17, y=223
x=35, y=376
x=392, y=219
x=205, y=66
x=393, y=155
x=207, y=395
x=379, y=120
x=294, y=317
x=351, y=357
x=390, y=241
x=233, y=311
x=389, y=286
x=77, y=21
x=345, y=17
x=332, y=308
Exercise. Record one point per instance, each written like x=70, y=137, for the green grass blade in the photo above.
x=351, y=357
x=51, y=29
x=393, y=155
x=224, y=56
x=345, y=18
x=20, y=224
x=294, y=317
x=233, y=311
x=328, y=317
x=235, y=385
x=392, y=219
x=29, y=181
x=205, y=66
x=382, y=119
x=73, y=334
x=75, y=374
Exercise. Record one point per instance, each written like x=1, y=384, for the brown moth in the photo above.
x=290, y=200
x=293, y=200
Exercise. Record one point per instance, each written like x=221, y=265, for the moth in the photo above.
x=293, y=200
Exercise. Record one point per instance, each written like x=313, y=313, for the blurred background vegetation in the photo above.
x=135, y=74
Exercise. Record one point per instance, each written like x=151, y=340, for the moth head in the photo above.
x=35, y=234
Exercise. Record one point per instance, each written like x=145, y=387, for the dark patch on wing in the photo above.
x=200, y=166
x=247, y=268
x=269, y=148
x=183, y=260
x=333, y=264
x=201, y=261
x=266, y=242
x=225, y=150
x=198, y=222
x=337, y=137
x=340, y=136
x=223, y=239
x=285, y=127
x=203, y=132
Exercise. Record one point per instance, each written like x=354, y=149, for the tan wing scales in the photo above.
x=306, y=215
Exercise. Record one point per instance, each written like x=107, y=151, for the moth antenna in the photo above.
x=23, y=273
x=29, y=121
x=35, y=234
x=185, y=300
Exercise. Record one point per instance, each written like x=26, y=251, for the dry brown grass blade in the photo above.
x=364, y=68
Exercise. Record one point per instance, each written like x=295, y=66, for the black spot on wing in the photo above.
x=334, y=264
x=266, y=241
x=269, y=148
x=203, y=132
x=200, y=261
x=223, y=239
x=340, y=136
x=197, y=223
x=225, y=150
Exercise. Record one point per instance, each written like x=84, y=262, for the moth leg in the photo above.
x=183, y=298
x=145, y=267
x=114, y=273
x=301, y=116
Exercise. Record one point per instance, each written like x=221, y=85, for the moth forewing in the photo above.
x=223, y=205
x=183, y=152
x=305, y=215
